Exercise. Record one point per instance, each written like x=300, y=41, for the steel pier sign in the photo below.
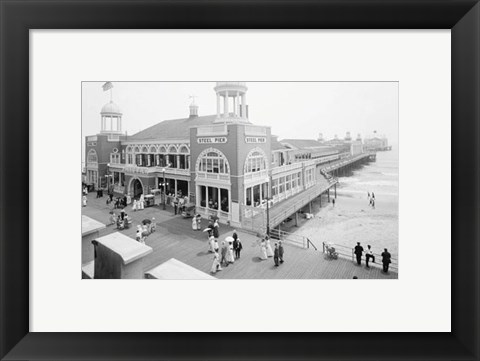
x=211, y=140
x=249, y=140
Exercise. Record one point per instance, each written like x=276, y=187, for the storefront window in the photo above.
x=255, y=162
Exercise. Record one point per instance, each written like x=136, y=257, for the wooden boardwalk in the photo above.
x=175, y=238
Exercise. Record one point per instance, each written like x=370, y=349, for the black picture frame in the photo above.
x=17, y=17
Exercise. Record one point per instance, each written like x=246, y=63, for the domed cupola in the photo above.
x=233, y=107
x=111, y=115
x=111, y=109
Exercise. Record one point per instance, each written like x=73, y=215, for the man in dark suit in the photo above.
x=386, y=260
x=237, y=248
x=358, y=252
x=280, y=251
x=276, y=255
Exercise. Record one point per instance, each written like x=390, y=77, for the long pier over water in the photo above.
x=326, y=175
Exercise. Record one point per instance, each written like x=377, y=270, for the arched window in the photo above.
x=162, y=149
x=144, y=150
x=153, y=149
x=212, y=161
x=136, y=150
x=184, y=149
x=172, y=150
x=255, y=162
x=92, y=156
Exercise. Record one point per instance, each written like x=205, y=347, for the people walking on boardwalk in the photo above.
x=129, y=199
x=268, y=247
x=85, y=191
x=263, y=250
x=138, y=235
x=215, y=244
x=358, y=253
x=215, y=229
x=237, y=248
x=224, y=250
x=175, y=204
x=211, y=244
x=194, y=223
x=276, y=255
x=333, y=202
x=280, y=251
x=373, y=203
x=216, y=266
x=369, y=255
x=84, y=201
x=153, y=225
x=134, y=205
x=386, y=260
x=199, y=221
x=113, y=218
x=230, y=258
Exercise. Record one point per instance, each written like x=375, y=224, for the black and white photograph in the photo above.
x=240, y=180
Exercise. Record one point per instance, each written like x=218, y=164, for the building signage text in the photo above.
x=211, y=140
x=255, y=139
x=136, y=170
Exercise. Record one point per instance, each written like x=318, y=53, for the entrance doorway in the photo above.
x=137, y=188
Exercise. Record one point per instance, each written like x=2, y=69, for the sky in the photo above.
x=299, y=110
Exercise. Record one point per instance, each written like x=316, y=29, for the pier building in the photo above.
x=227, y=166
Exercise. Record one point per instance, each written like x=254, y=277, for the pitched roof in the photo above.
x=173, y=128
x=302, y=143
x=275, y=144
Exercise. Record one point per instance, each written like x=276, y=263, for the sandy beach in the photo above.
x=352, y=220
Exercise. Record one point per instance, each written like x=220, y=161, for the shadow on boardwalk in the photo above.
x=175, y=238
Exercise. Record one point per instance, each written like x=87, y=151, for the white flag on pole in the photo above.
x=107, y=86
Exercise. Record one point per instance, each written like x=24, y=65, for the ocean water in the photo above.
x=379, y=177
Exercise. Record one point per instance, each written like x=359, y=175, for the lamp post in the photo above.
x=268, y=218
x=165, y=188
x=108, y=176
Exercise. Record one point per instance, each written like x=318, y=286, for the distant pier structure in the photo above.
x=376, y=143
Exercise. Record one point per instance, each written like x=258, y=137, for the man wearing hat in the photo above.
x=358, y=252
x=276, y=255
x=280, y=251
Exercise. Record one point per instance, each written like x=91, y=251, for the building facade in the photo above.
x=223, y=163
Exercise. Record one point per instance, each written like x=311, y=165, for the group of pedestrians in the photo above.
x=359, y=251
x=267, y=252
x=228, y=254
x=144, y=230
x=138, y=205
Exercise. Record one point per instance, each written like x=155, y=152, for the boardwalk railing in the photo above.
x=291, y=238
x=348, y=253
x=340, y=163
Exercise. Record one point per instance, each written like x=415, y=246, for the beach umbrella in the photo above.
x=229, y=239
x=207, y=229
x=146, y=221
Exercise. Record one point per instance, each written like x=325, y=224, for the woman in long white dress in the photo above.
x=269, y=248
x=211, y=244
x=216, y=266
x=84, y=201
x=194, y=223
x=230, y=258
x=134, y=205
x=263, y=248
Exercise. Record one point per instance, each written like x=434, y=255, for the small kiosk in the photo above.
x=173, y=269
x=119, y=256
